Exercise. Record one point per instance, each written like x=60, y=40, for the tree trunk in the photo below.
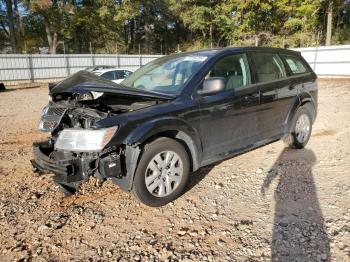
x=54, y=43
x=148, y=33
x=19, y=28
x=329, y=23
x=11, y=25
x=211, y=35
x=132, y=33
x=52, y=38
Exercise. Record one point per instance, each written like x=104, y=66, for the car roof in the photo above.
x=110, y=69
x=212, y=52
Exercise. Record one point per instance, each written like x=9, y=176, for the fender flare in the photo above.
x=299, y=101
x=171, y=127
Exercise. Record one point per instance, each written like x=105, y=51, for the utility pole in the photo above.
x=329, y=23
x=316, y=50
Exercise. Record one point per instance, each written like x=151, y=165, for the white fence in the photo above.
x=330, y=61
x=16, y=68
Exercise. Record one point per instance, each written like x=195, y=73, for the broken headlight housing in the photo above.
x=84, y=140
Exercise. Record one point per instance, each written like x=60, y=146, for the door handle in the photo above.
x=249, y=97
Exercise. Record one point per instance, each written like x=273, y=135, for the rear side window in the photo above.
x=295, y=64
x=269, y=67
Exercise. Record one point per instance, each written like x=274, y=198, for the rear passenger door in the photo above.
x=270, y=76
x=300, y=78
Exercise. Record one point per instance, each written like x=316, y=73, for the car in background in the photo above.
x=114, y=75
x=98, y=67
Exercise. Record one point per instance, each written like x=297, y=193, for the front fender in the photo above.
x=176, y=128
x=148, y=129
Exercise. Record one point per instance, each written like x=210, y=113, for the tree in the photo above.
x=55, y=15
x=11, y=24
x=203, y=18
x=161, y=26
x=329, y=22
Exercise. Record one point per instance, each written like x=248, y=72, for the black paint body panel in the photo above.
x=212, y=127
x=226, y=123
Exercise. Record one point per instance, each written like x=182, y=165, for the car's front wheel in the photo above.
x=162, y=172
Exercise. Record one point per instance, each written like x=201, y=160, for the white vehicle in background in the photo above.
x=115, y=75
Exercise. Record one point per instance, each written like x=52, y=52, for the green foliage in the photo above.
x=163, y=26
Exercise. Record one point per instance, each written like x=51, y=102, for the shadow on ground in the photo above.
x=298, y=231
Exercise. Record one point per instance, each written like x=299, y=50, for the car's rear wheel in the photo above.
x=162, y=172
x=301, y=127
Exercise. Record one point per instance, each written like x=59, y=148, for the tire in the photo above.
x=166, y=179
x=298, y=137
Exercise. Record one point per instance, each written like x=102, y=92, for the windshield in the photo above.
x=166, y=75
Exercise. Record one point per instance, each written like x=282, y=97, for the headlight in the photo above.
x=85, y=97
x=84, y=140
x=45, y=110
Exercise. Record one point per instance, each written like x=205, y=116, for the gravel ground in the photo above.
x=269, y=204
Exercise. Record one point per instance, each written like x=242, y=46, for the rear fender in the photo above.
x=299, y=101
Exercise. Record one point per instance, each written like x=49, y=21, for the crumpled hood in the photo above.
x=84, y=81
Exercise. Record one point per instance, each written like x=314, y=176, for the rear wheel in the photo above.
x=162, y=172
x=301, y=127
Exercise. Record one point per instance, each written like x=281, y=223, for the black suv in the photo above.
x=174, y=115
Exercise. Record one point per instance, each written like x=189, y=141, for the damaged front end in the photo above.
x=72, y=165
x=78, y=146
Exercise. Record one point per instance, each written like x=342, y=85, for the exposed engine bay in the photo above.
x=77, y=145
x=70, y=112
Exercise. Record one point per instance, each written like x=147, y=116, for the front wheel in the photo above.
x=301, y=128
x=162, y=172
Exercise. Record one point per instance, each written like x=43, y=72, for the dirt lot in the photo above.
x=272, y=202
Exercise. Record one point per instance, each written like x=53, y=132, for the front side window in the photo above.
x=127, y=73
x=109, y=75
x=234, y=69
x=166, y=75
x=269, y=67
x=295, y=64
x=121, y=74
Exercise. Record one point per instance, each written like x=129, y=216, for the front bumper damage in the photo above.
x=72, y=169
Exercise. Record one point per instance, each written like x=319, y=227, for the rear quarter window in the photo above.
x=295, y=64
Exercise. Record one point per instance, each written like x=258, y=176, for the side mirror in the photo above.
x=212, y=85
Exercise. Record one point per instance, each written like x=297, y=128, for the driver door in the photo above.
x=228, y=118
